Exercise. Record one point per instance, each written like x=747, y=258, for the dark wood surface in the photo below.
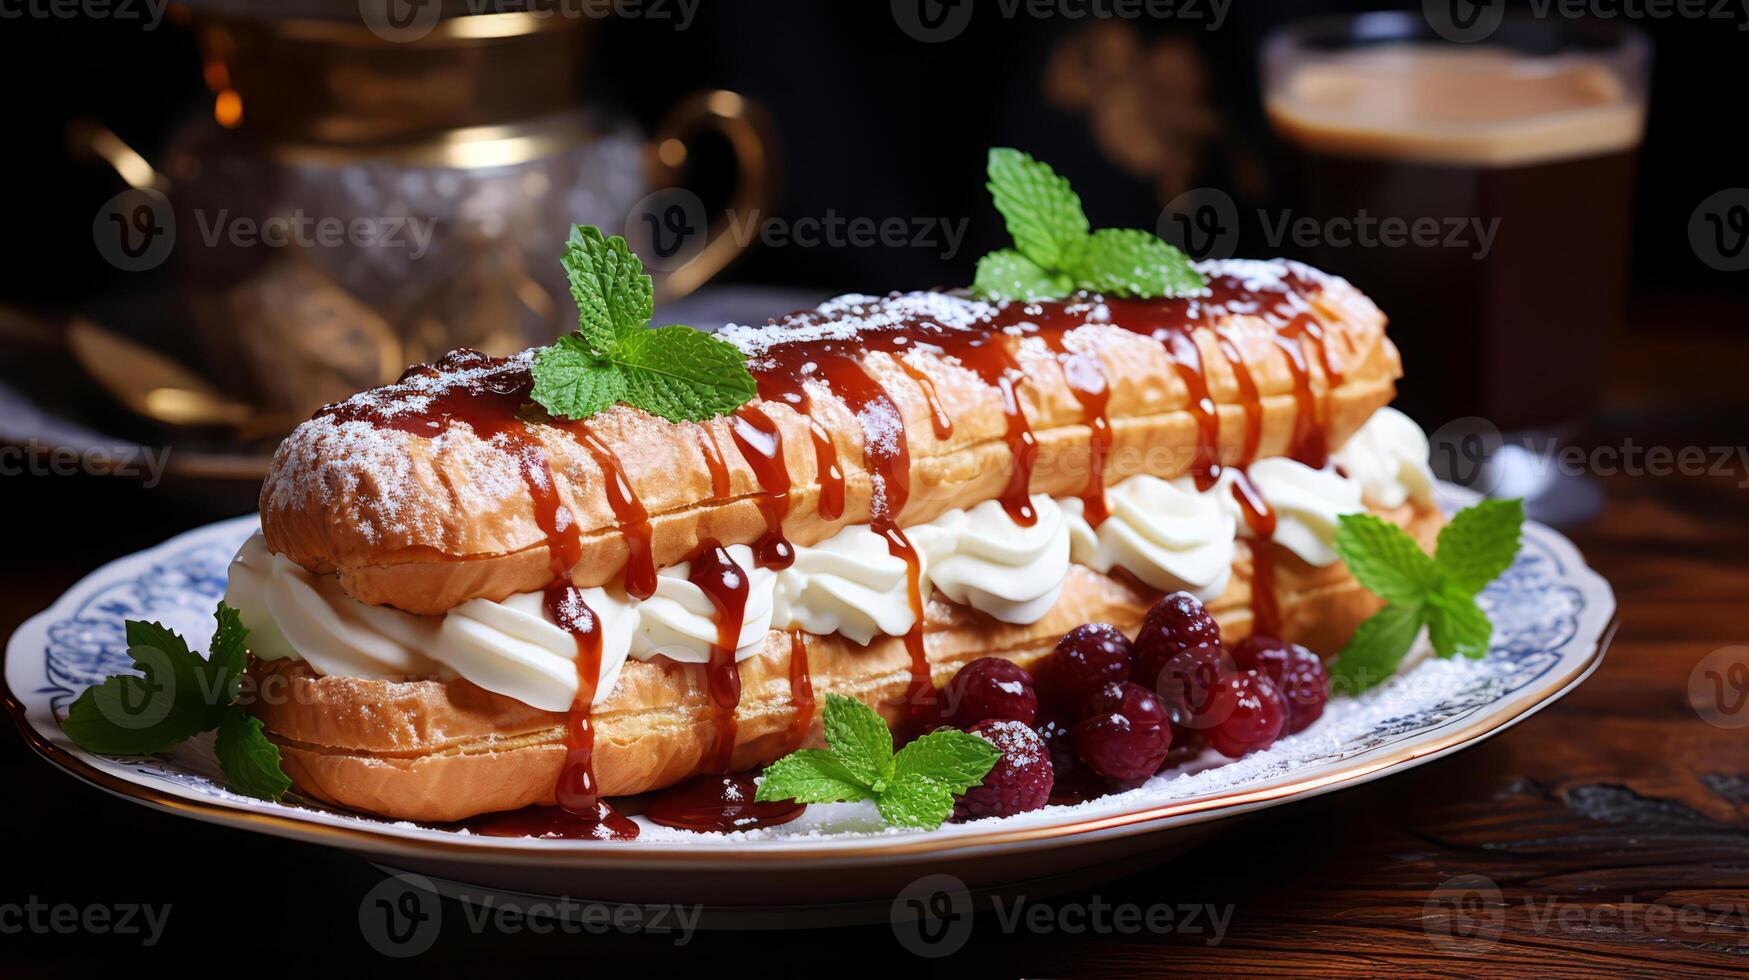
x=1614, y=824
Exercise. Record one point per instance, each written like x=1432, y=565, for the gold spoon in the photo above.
x=152, y=385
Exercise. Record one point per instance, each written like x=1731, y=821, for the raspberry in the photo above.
x=1135, y=702
x=987, y=689
x=1021, y=779
x=1296, y=671
x=1187, y=686
x=1175, y=623
x=1118, y=750
x=1087, y=657
x=1250, y=712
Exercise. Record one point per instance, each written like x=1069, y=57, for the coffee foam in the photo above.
x=1486, y=107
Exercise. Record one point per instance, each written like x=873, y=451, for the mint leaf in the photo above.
x=1376, y=648
x=1479, y=543
x=1132, y=262
x=859, y=739
x=1054, y=253
x=810, y=776
x=572, y=382
x=1383, y=558
x=250, y=761
x=614, y=296
x=682, y=374
x=227, y=655
x=955, y=759
x=1455, y=624
x=1042, y=211
x=1007, y=274
x=152, y=712
x=916, y=801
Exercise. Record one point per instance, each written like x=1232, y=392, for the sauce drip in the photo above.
x=990, y=359
x=718, y=803
x=628, y=513
x=491, y=406
x=1260, y=519
x=713, y=462
x=761, y=444
x=940, y=422
x=1205, y=467
x=1086, y=380
x=886, y=454
x=830, y=474
x=722, y=801
x=801, y=687
x=1249, y=402
x=725, y=584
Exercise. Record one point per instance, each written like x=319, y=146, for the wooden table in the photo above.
x=1613, y=824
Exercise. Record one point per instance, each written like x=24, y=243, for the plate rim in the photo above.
x=845, y=851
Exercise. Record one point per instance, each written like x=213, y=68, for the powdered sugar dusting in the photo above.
x=366, y=473
x=847, y=317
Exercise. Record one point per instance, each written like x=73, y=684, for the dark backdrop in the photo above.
x=871, y=123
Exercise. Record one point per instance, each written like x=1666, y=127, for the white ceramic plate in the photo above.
x=1553, y=616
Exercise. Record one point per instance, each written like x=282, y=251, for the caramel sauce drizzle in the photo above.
x=801, y=687
x=713, y=462
x=761, y=445
x=725, y=583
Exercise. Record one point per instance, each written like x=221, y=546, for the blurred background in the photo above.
x=228, y=214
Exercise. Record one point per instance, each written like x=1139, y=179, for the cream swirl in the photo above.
x=849, y=584
x=981, y=558
x=1306, y=502
x=291, y=613
x=680, y=621
x=515, y=649
x=1388, y=458
x=1163, y=532
x=511, y=647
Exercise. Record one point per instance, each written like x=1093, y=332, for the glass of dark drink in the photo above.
x=1480, y=192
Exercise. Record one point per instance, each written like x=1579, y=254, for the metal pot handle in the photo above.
x=689, y=264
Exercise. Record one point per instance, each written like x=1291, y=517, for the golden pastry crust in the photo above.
x=424, y=524
x=445, y=750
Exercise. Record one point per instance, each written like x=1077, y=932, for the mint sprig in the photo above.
x=1437, y=592
x=1054, y=253
x=913, y=787
x=176, y=696
x=675, y=372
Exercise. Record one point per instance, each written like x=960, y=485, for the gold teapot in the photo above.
x=360, y=198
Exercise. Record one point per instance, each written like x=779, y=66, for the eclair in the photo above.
x=460, y=605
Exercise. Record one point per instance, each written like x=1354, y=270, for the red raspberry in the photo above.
x=989, y=688
x=1187, y=687
x=1250, y=712
x=1175, y=623
x=1087, y=657
x=1296, y=671
x=1021, y=779
x=1135, y=702
x=1118, y=750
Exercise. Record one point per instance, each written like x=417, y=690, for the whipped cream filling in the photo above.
x=1388, y=458
x=679, y=621
x=1306, y=502
x=981, y=558
x=511, y=647
x=850, y=584
x=1164, y=532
